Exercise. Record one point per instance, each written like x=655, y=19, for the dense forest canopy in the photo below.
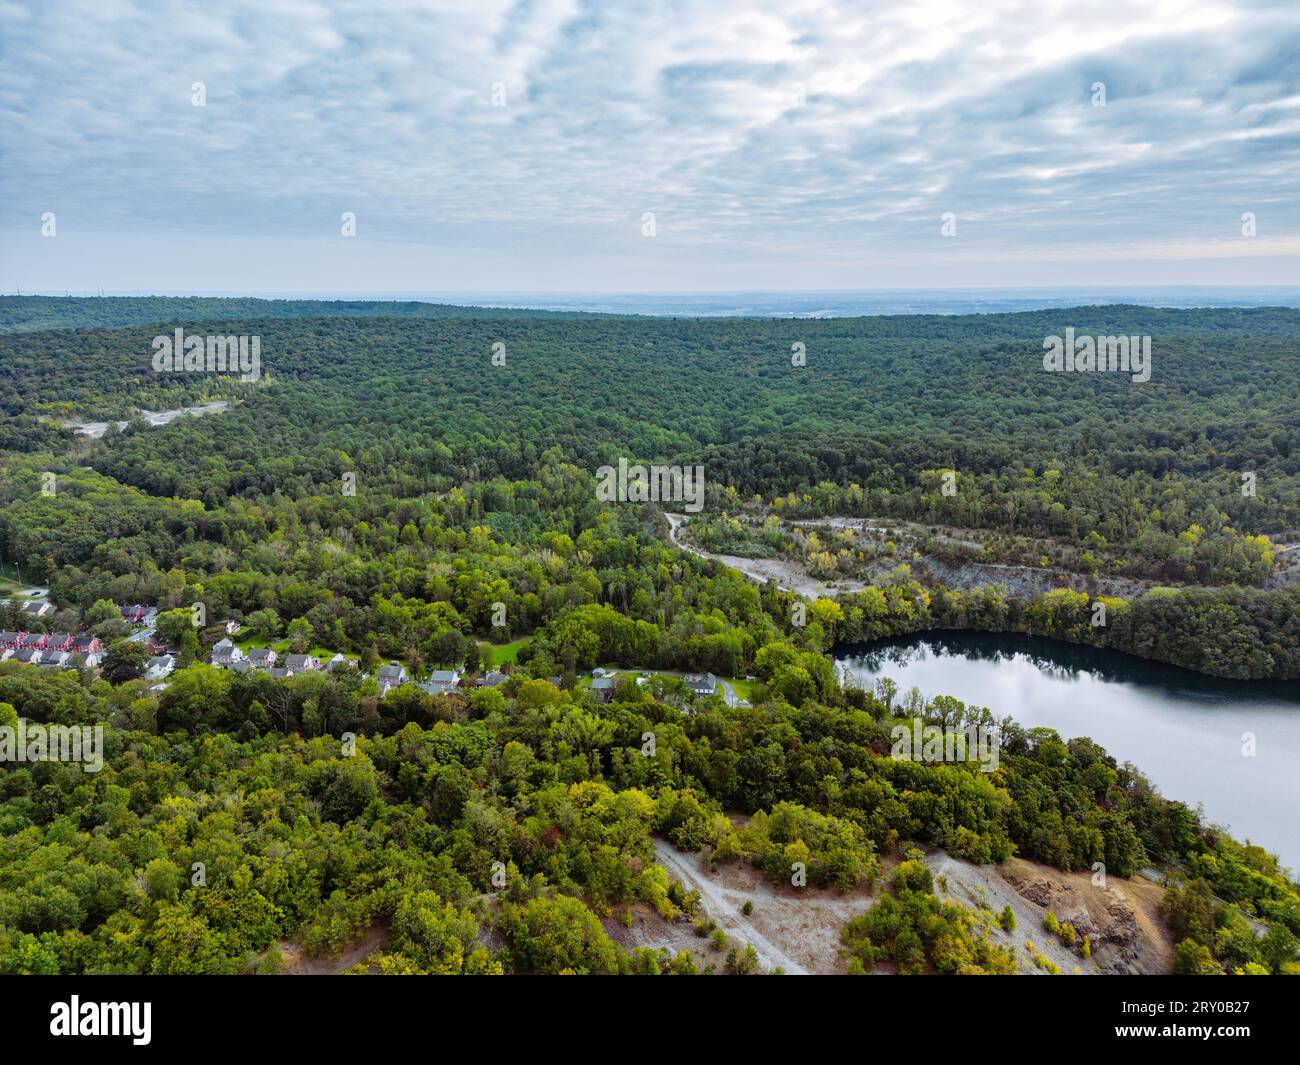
x=414, y=484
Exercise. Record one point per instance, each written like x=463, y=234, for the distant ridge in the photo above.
x=20, y=314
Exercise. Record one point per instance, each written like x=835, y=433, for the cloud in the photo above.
x=786, y=144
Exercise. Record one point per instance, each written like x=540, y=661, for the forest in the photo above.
x=390, y=491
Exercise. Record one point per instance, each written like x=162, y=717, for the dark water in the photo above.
x=1183, y=730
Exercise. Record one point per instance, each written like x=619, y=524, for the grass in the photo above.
x=503, y=653
x=9, y=582
x=246, y=641
x=743, y=688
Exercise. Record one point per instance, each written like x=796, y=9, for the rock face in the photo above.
x=1118, y=916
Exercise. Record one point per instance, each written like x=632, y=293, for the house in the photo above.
x=6, y=653
x=86, y=644
x=301, y=663
x=603, y=688
x=159, y=666
x=12, y=640
x=38, y=608
x=55, y=659
x=441, y=682
x=242, y=666
x=702, y=684
x=339, y=660
x=132, y=615
x=28, y=654
x=88, y=660
x=280, y=673
x=59, y=641
x=390, y=677
x=37, y=641
x=150, y=618
x=225, y=653
x=598, y=672
x=262, y=657
x=492, y=678
x=230, y=626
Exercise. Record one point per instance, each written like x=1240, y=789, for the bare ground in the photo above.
x=787, y=575
x=799, y=930
x=1020, y=580
x=297, y=963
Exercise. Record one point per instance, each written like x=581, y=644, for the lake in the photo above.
x=1181, y=729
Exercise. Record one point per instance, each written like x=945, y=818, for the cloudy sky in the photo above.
x=499, y=146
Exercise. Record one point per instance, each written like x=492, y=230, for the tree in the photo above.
x=264, y=623
x=1194, y=959
x=559, y=935
x=124, y=660
x=300, y=635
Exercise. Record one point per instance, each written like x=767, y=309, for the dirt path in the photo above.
x=788, y=575
x=719, y=904
x=298, y=963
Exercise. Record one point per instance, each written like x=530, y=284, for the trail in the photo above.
x=725, y=912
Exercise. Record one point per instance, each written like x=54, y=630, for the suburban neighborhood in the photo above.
x=86, y=651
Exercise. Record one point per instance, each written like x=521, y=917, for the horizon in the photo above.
x=810, y=304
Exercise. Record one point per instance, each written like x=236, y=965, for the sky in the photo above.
x=619, y=146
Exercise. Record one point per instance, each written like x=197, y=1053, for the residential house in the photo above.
x=159, y=666
x=6, y=653
x=242, y=666
x=231, y=626
x=225, y=653
x=492, y=678
x=338, y=661
x=38, y=608
x=441, y=682
x=390, y=677
x=55, y=659
x=28, y=654
x=59, y=641
x=37, y=641
x=280, y=673
x=301, y=663
x=603, y=688
x=86, y=644
x=132, y=615
x=702, y=684
x=12, y=640
x=262, y=657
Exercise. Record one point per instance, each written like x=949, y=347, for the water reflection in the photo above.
x=1058, y=660
x=1186, y=732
